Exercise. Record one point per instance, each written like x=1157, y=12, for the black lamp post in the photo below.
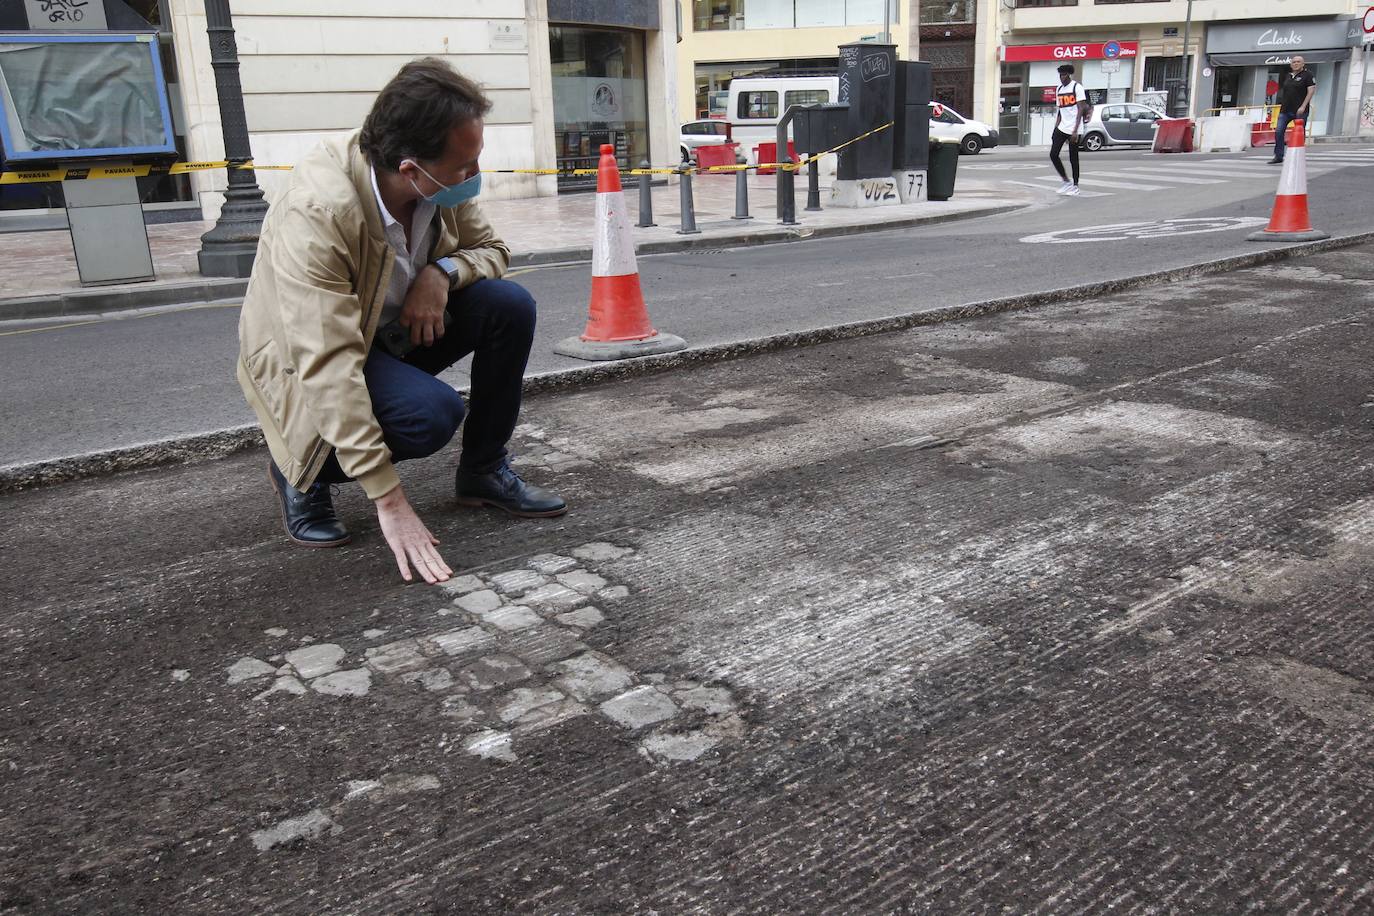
x=228, y=249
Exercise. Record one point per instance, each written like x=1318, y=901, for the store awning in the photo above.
x=1260, y=58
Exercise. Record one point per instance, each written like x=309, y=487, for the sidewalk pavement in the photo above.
x=38, y=276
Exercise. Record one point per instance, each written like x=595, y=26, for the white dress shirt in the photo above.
x=409, y=260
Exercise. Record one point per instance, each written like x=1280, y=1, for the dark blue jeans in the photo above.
x=419, y=414
x=1281, y=131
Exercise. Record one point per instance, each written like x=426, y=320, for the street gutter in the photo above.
x=220, y=443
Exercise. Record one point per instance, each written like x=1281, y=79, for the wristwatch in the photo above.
x=450, y=266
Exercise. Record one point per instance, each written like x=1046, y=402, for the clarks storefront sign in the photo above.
x=1260, y=43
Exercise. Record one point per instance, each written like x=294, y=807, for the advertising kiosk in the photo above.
x=89, y=109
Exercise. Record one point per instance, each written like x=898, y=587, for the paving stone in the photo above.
x=276, y=632
x=283, y=685
x=553, y=597
x=460, y=709
x=640, y=707
x=656, y=678
x=492, y=672
x=548, y=716
x=516, y=704
x=480, y=602
x=355, y=682
x=492, y=745
x=537, y=646
x=247, y=669
x=435, y=679
x=517, y=581
x=464, y=641
x=374, y=634
x=600, y=550
x=681, y=748
x=579, y=580
x=614, y=593
x=181, y=675
x=356, y=788
x=314, y=661
x=551, y=563
x=592, y=676
x=582, y=618
x=711, y=700
x=512, y=618
x=395, y=657
x=309, y=826
x=461, y=585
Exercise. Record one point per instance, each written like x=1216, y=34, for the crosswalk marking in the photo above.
x=1081, y=192
x=1161, y=175
x=1172, y=172
x=1130, y=186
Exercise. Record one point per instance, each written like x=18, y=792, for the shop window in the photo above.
x=805, y=97
x=760, y=104
x=717, y=15
x=599, y=97
x=1163, y=72
x=936, y=12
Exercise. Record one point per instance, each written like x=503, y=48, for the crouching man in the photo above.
x=375, y=272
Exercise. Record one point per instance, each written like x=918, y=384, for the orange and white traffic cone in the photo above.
x=618, y=325
x=1290, y=222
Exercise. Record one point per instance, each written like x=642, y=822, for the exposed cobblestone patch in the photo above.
x=505, y=659
x=319, y=822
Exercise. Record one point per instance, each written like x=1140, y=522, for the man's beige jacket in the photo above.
x=311, y=311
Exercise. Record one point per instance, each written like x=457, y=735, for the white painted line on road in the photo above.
x=1222, y=173
x=1130, y=186
x=1081, y=193
x=1154, y=229
x=1161, y=175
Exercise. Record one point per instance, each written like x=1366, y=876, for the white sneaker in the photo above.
x=1072, y=191
x=1064, y=188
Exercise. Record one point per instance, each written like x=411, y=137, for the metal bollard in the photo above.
x=742, y=194
x=689, y=212
x=813, y=186
x=646, y=200
x=787, y=196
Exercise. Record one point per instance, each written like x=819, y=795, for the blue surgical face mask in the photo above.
x=449, y=195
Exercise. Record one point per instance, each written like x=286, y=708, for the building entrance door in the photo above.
x=1011, y=106
x=1226, y=93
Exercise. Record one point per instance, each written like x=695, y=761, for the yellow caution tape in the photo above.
x=128, y=170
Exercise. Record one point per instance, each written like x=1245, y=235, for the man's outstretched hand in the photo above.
x=409, y=539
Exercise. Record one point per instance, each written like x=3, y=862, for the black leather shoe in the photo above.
x=308, y=515
x=1275, y=162
x=504, y=489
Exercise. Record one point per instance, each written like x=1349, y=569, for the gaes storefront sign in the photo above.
x=1107, y=50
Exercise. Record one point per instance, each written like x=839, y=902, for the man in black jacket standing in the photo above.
x=1295, y=102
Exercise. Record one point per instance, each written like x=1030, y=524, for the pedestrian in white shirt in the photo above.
x=1069, y=119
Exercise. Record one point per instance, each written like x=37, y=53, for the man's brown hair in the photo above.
x=414, y=113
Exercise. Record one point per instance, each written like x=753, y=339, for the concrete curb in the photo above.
x=220, y=443
x=197, y=292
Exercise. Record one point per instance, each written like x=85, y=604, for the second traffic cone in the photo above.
x=618, y=324
x=1290, y=222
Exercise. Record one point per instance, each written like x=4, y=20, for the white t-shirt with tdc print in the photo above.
x=1067, y=98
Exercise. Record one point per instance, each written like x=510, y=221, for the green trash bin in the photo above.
x=944, y=162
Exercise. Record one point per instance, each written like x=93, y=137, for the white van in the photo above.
x=757, y=103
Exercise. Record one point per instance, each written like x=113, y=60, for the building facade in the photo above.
x=564, y=77
x=1134, y=50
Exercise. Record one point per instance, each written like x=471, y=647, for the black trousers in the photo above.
x=419, y=414
x=1057, y=141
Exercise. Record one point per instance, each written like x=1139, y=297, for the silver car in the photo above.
x=1122, y=124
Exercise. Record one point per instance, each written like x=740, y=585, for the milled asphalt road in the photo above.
x=1047, y=612
x=117, y=383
